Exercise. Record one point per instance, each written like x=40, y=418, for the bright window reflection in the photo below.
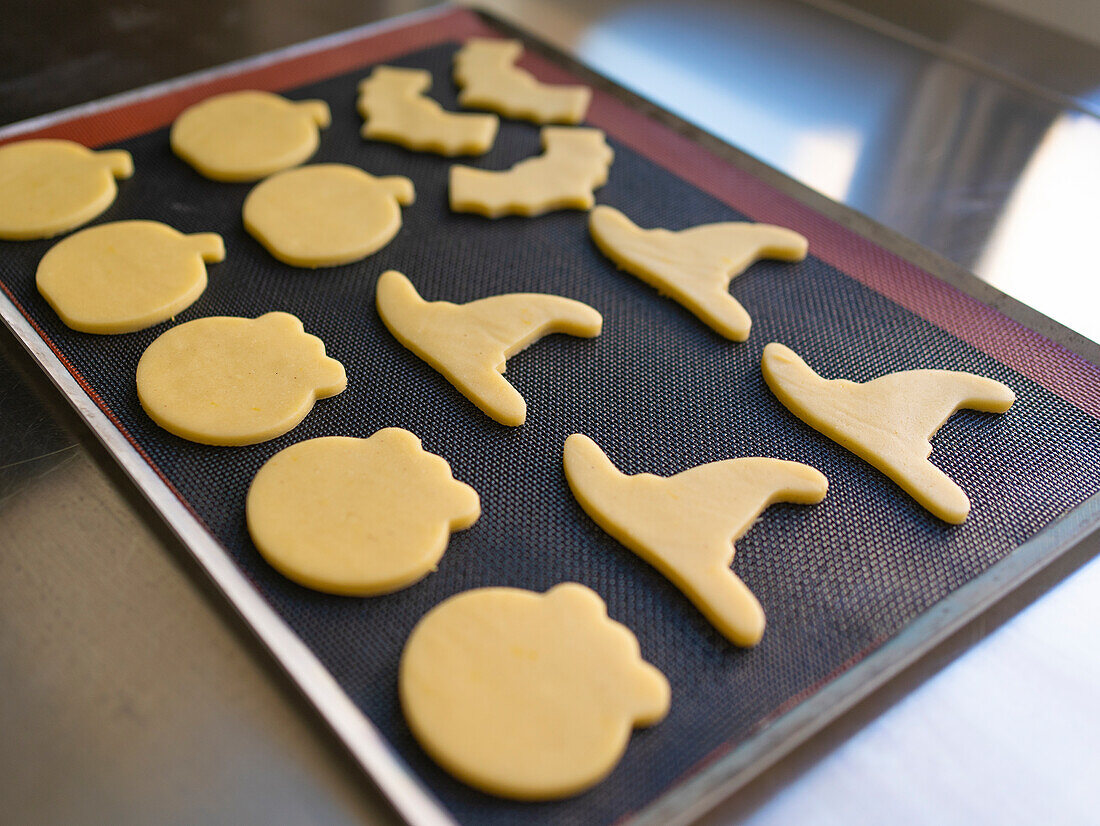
x=805, y=97
x=1042, y=250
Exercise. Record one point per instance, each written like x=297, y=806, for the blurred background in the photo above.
x=130, y=694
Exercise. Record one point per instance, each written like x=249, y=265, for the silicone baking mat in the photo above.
x=847, y=585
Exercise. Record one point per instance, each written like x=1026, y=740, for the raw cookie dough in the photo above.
x=245, y=136
x=888, y=421
x=235, y=381
x=357, y=516
x=695, y=266
x=685, y=525
x=326, y=214
x=126, y=276
x=574, y=163
x=50, y=187
x=485, y=70
x=469, y=343
x=397, y=109
x=525, y=695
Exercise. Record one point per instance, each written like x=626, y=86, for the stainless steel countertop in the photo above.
x=131, y=694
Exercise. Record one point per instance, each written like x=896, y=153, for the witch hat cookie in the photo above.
x=695, y=266
x=685, y=525
x=888, y=421
x=470, y=343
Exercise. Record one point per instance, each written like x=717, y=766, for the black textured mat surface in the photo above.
x=657, y=390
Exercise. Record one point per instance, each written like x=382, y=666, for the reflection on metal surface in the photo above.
x=802, y=92
x=826, y=158
x=930, y=148
x=1039, y=250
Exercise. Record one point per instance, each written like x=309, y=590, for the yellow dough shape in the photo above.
x=235, y=381
x=575, y=161
x=326, y=214
x=485, y=70
x=49, y=186
x=685, y=525
x=357, y=516
x=695, y=266
x=888, y=421
x=245, y=136
x=126, y=276
x=525, y=695
x=470, y=343
x=397, y=110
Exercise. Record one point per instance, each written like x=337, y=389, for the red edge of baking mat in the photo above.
x=1046, y=362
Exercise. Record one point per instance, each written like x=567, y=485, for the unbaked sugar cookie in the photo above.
x=685, y=525
x=126, y=276
x=235, y=381
x=888, y=421
x=526, y=695
x=326, y=214
x=245, y=136
x=485, y=70
x=48, y=187
x=470, y=343
x=394, y=103
x=357, y=516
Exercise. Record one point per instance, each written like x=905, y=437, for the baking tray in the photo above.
x=854, y=589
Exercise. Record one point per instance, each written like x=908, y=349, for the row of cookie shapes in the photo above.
x=485, y=71
x=323, y=215
x=470, y=343
x=248, y=135
x=518, y=694
x=525, y=695
x=125, y=276
x=574, y=163
x=53, y=186
x=888, y=421
x=696, y=265
x=686, y=525
x=396, y=108
x=357, y=517
x=235, y=381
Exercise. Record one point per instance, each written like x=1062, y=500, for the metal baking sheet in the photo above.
x=854, y=588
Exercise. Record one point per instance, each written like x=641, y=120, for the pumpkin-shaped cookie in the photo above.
x=525, y=695
x=357, y=516
x=325, y=214
x=50, y=186
x=126, y=276
x=245, y=136
x=235, y=381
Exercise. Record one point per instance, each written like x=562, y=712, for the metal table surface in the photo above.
x=131, y=694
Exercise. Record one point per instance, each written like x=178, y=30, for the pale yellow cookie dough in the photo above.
x=357, y=516
x=126, y=276
x=48, y=187
x=686, y=525
x=525, y=695
x=695, y=266
x=470, y=343
x=245, y=136
x=235, y=381
x=888, y=421
x=325, y=214
x=486, y=72
x=575, y=161
x=394, y=103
